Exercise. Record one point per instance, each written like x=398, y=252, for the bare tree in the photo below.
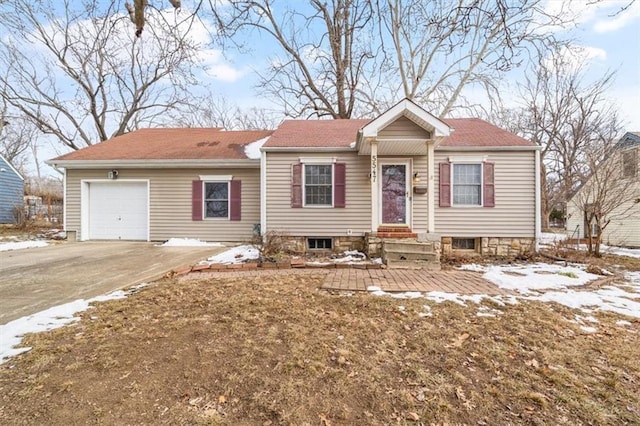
x=325, y=51
x=17, y=135
x=219, y=111
x=434, y=50
x=82, y=77
x=612, y=193
x=567, y=115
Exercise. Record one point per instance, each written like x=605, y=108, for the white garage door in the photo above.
x=118, y=211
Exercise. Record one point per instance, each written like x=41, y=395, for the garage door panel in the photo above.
x=118, y=211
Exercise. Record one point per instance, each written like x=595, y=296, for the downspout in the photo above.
x=538, y=218
x=263, y=192
x=431, y=226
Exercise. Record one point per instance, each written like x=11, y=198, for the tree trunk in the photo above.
x=545, y=211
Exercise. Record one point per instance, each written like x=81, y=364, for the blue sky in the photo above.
x=610, y=42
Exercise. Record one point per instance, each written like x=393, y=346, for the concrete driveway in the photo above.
x=32, y=280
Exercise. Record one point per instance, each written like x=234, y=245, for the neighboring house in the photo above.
x=325, y=184
x=11, y=191
x=624, y=226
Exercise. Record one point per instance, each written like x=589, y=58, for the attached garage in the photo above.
x=115, y=210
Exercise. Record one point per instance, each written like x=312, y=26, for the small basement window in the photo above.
x=320, y=243
x=463, y=243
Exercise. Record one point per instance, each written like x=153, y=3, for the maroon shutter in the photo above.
x=235, y=199
x=445, y=184
x=196, y=200
x=339, y=188
x=296, y=185
x=488, y=186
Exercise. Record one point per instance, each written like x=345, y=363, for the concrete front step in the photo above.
x=408, y=247
x=399, y=256
x=413, y=264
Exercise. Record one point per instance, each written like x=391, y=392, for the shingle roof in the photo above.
x=171, y=144
x=468, y=132
x=628, y=140
x=215, y=143
x=315, y=133
x=476, y=132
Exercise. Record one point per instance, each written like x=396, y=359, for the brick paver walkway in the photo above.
x=391, y=280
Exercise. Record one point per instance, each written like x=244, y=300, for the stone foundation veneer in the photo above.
x=371, y=245
x=490, y=246
x=340, y=244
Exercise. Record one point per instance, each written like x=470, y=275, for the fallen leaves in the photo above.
x=458, y=341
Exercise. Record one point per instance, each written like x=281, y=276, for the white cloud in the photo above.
x=574, y=57
x=225, y=72
x=616, y=22
x=601, y=17
x=626, y=99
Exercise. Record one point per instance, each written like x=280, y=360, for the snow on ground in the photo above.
x=350, y=256
x=48, y=319
x=187, y=242
x=238, y=254
x=252, y=150
x=544, y=283
x=536, y=276
x=18, y=245
x=618, y=251
x=548, y=238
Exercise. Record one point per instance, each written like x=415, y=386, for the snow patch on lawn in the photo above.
x=618, y=251
x=536, y=276
x=252, y=150
x=187, y=242
x=544, y=283
x=547, y=238
x=18, y=245
x=238, y=254
x=49, y=319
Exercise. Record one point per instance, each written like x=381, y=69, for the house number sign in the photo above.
x=374, y=168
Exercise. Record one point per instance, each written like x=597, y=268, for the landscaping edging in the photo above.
x=294, y=264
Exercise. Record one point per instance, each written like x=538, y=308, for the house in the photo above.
x=617, y=188
x=11, y=191
x=457, y=184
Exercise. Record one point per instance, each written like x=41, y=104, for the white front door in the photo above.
x=118, y=210
x=395, y=193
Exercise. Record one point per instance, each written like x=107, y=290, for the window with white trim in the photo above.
x=216, y=200
x=467, y=184
x=318, y=184
x=630, y=163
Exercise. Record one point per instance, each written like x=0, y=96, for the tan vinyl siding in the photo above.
x=403, y=128
x=514, y=211
x=326, y=222
x=623, y=230
x=318, y=221
x=420, y=208
x=170, y=203
x=575, y=221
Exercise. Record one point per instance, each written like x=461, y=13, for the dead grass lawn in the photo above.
x=275, y=350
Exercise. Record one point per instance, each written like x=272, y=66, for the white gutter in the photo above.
x=263, y=192
x=489, y=148
x=309, y=149
x=538, y=218
x=153, y=164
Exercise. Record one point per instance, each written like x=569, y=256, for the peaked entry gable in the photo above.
x=432, y=125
